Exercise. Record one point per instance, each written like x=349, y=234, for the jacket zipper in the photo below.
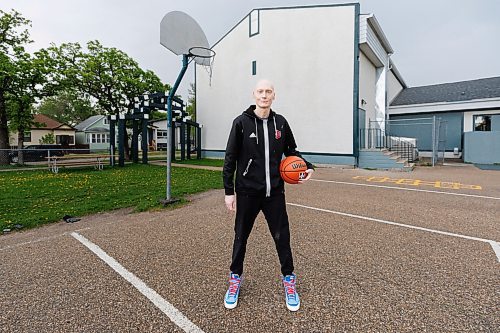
x=266, y=148
x=248, y=166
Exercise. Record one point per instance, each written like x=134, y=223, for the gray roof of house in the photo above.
x=450, y=92
x=87, y=122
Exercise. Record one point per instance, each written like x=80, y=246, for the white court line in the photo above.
x=495, y=245
x=407, y=189
x=175, y=315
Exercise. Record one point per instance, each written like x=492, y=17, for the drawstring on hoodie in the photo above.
x=275, y=129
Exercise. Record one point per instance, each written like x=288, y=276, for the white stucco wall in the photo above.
x=367, y=82
x=309, y=54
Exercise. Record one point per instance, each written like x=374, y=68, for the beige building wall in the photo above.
x=38, y=134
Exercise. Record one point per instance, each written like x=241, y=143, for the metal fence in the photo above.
x=376, y=138
x=40, y=156
x=430, y=135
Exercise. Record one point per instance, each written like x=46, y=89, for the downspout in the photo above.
x=356, y=87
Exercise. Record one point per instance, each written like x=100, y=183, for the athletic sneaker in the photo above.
x=291, y=295
x=231, y=298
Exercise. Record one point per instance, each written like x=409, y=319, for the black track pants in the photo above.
x=274, y=209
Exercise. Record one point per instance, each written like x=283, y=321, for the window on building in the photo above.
x=105, y=121
x=482, y=123
x=254, y=67
x=65, y=140
x=254, y=24
x=27, y=136
x=161, y=134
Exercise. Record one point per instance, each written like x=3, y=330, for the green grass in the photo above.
x=32, y=198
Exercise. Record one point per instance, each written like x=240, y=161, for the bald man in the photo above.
x=257, y=142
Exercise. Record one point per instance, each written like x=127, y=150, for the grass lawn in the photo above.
x=32, y=198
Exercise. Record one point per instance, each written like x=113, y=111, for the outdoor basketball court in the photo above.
x=373, y=253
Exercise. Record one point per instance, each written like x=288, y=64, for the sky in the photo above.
x=434, y=41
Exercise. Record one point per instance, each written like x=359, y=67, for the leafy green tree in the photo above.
x=106, y=74
x=27, y=87
x=13, y=37
x=191, y=104
x=68, y=107
x=47, y=139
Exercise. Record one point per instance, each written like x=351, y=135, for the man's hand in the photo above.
x=230, y=202
x=309, y=175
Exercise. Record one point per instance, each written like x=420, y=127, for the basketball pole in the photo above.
x=171, y=94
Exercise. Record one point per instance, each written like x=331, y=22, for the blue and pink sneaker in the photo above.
x=231, y=298
x=291, y=295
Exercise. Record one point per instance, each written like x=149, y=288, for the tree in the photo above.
x=191, y=104
x=28, y=86
x=13, y=37
x=69, y=107
x=108, y=75
x=47, y=139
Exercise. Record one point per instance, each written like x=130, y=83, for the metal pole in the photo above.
x=171, y=94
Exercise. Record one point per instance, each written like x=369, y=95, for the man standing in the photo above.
x=259, y=137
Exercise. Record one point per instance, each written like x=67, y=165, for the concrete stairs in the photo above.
x=383, y=159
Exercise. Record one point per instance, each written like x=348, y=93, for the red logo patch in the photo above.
x=277, y=134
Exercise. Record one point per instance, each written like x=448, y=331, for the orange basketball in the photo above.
x=293, y=169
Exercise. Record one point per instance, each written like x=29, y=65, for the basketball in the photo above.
x=293, y=169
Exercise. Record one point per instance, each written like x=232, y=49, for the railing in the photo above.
x=376, y=138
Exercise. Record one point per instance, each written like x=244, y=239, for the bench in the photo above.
x=95, y=160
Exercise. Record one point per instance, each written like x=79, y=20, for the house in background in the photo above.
x=94, y=132
x=469, y=111
x=332, y=72
x=64, y=134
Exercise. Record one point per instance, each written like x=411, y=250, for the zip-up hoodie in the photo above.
x=254, y=151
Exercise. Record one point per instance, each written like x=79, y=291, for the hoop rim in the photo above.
x=210, y=51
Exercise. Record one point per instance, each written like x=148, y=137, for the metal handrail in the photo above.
x=376, y=138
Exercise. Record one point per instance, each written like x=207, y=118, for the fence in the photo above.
x=40, y=156
x=430, y=132
x=376, y=138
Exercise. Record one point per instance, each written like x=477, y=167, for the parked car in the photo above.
x=36, y=153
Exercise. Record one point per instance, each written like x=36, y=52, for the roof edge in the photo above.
x=283, y=7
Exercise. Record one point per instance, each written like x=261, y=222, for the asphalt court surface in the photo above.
x=356, y=273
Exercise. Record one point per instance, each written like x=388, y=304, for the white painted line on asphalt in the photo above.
x=494, y=244
x=407, y=189
x=496, y=248
x=175, y=315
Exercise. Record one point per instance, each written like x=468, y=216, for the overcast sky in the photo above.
x=434, y=41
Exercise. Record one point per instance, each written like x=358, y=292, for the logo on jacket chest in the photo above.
x=277, y=134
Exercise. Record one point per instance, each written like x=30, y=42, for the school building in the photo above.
x=338, y=88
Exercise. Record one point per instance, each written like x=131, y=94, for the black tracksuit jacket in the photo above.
x=254, y=151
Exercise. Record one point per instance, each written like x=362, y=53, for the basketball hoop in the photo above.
x=205, y=57
x=182, y=35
